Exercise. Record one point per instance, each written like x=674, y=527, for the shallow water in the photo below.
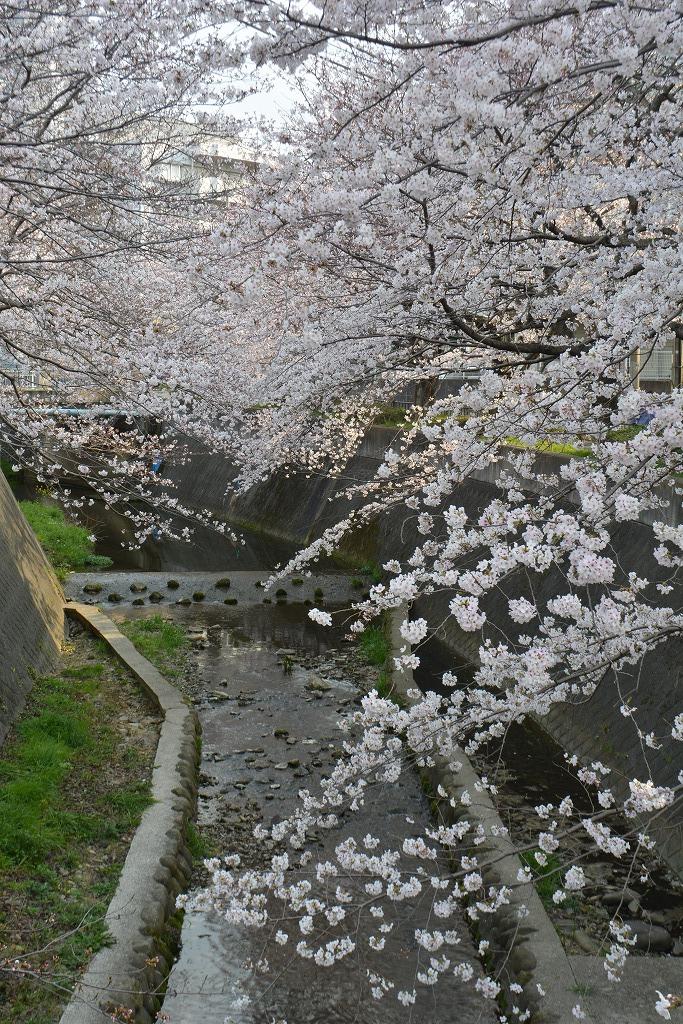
x=242, y=695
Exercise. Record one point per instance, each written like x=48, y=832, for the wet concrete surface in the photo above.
x=266, y=733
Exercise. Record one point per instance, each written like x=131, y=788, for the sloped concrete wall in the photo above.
x=300, y=508
x=31, y=609
x=293, y=506
x=593, y=728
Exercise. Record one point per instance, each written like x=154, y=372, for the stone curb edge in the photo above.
x=130, y=973
x=525, y=951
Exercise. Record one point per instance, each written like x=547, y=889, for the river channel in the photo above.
x=271, y=689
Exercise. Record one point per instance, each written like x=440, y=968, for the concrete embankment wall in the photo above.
x=295, y=507
x=299, y=509
x=31, y=609
x=593, y=728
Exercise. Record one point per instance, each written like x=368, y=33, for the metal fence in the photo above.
x=656, y=365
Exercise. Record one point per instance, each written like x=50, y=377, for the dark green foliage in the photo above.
x=371, y=569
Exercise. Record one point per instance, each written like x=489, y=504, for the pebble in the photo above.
x=655, y=917
x=618, y=897
x=585, y=941
x=317, y=685
x=652, y=938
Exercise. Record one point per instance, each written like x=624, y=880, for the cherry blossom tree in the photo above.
x=101, y=279
x=482, y=186
x=491, y=187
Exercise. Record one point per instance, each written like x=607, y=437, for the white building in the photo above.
x=209, y=164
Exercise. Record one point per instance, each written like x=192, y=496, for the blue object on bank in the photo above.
x=643, y=418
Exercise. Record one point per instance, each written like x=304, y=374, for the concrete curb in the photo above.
x=131, y=972
x=525, y=951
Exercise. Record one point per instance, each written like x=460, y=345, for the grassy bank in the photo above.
x=66, y=545
x=74, y=780
x=161, y=641
x=374, y=649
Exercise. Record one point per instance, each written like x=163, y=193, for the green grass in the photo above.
x=374, y=646
x=34, y=824
x=70, y=795
x=396, y=416
x=385, y=688
x=13, y=476
x=553, y=447
x=625, y=433
x=66, y=545
x=198, y=844
x=373, y=570
x=63, y=731
x=160, y=641
x=546, y=879
x=388, y=415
